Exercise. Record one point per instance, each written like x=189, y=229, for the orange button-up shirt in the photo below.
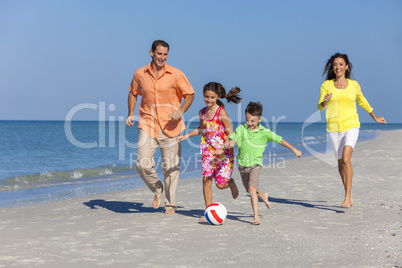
x=159, y=98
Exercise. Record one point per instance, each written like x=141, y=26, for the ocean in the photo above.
x=42, y=161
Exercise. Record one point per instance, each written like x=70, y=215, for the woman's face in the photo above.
x=340, y=67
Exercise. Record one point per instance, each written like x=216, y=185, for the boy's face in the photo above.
x=252, y=121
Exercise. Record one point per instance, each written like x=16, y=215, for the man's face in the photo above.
x=159, y=56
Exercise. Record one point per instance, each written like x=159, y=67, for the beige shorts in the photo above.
x=250, y=175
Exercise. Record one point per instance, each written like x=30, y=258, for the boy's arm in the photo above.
x=286, y=144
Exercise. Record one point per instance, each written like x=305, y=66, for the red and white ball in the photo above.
x=215, y=213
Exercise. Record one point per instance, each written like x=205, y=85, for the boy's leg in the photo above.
x=254, y=204
x=254, y=181
x=245, y=177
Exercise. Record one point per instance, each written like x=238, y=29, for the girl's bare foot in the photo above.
x=264, y=198
x=233, y=188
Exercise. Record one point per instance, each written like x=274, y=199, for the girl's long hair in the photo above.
x=231, y=96
x=329, y=73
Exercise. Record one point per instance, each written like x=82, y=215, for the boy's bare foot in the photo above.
x=264, y=198
x=169, y=210
x=157, y=201
x=233, y=188
x=256, y=222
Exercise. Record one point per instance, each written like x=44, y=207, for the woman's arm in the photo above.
x=378, y=119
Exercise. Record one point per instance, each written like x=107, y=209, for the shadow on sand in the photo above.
x=134, y=207
x=304, y=203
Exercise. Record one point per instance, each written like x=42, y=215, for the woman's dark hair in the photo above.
x=157, y=43
x=232, y=96
x=329, y=66
x=254, y=108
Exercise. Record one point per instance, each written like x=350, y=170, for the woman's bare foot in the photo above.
x=233, y=188
x=347, y=203
x=157, y=201
x=256, y=221
x=203, y=219
x=264, y=198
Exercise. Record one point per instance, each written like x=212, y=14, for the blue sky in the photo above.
x=56, y=56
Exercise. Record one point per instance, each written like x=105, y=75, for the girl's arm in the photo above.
x=195, y=132
x=224, y=118
x=284, y=143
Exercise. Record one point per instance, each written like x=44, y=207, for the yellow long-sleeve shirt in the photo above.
x=341, y=113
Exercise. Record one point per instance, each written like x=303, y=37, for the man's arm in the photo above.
x=188, y=100
x=132, y=101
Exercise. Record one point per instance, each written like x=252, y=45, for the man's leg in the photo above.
x=145, y=166
x=171, y=154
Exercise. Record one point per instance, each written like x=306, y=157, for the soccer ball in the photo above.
x=215, y=213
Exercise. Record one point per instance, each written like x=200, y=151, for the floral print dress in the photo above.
x=213, y=138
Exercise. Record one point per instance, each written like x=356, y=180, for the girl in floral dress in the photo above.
x=215, y=127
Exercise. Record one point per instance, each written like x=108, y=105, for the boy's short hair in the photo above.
x=254, y=108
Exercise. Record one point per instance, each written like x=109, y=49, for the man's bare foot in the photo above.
x=264, y=198
x=256, y=221
x=169, y=210
x=233, y=188
x=157, y=201
x=203, y=219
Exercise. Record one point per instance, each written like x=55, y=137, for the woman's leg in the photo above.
x=346, y=171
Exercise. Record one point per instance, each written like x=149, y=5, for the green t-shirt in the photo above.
x=251, y=144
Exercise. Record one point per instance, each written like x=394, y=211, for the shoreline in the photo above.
x=51, y=191
x=305, y=227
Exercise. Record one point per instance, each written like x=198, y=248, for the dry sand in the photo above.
x=306, y=227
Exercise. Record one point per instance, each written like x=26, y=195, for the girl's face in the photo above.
x=210, y=98
x=340, y=67
x=252, y=121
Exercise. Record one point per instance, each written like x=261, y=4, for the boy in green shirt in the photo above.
x=251, y=139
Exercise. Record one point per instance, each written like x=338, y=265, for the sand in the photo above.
x=306, y=227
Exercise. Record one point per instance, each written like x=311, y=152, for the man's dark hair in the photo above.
x=254, y=108
x=157, y=43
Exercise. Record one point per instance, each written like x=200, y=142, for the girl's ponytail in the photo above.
x=233, y=95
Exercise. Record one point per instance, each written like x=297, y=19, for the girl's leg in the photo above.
x=233, y=187
x=207, y=190
x=254, y=204
x=346, y=171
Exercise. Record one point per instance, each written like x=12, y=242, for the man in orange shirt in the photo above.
x=162, y=88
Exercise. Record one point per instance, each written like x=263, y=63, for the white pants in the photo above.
x=340, y=139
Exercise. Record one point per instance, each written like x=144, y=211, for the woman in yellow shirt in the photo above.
x=340, y=93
